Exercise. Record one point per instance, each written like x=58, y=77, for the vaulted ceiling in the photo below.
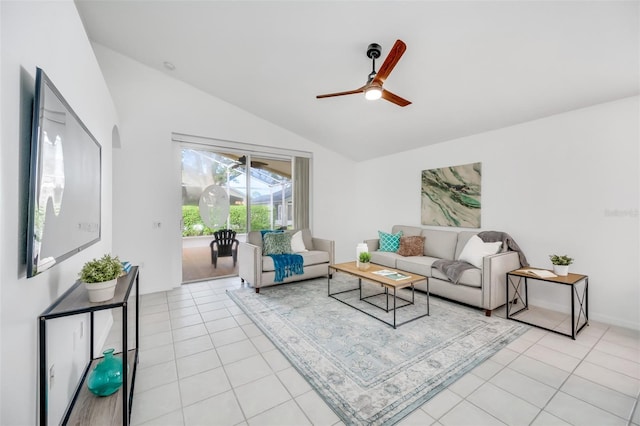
x=469, y=67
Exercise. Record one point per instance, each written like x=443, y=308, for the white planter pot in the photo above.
x=561, y=270
x=363, y=266
x=101, y=292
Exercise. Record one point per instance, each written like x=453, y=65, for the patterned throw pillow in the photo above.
x=411, y=246
x=389, y=242
x=276, y=243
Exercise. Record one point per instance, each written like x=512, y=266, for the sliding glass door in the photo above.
x=230, y=190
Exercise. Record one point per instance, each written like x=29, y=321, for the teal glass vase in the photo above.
x=106, y=377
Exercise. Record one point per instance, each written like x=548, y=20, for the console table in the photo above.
x=85, y=408
x=518, y=287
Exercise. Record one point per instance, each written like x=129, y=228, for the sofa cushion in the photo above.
x=297, y=243
x=411, y=245
x=312, y=257
x=389, y=242
x=463, y=237
x=254, y=238
x=440, y=244
x=476, y=249
x=385, y=258
x=406, y=230
x=420, y=265
x=277, y=243
x=470, y=278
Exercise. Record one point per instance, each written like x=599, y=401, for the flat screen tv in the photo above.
x=64, y=181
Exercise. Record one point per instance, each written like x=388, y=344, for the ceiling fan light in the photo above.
x=373, y=93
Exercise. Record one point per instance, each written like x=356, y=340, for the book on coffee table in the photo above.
x=393, y=275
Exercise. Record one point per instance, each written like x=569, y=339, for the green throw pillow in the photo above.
x=277, y=243
x=389, y=242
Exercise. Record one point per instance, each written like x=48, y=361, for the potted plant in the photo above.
x=561, y=264
x=365, y=259
x=100, y=277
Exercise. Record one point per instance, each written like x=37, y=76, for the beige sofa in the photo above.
x=480, y=287
x=259, y=271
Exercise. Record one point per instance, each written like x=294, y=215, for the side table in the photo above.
x=518, y=287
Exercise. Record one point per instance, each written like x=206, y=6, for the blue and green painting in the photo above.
x=451, y=196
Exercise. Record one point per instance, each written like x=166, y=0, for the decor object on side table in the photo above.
x=364, y=260
x=106, y=377
x=561, y=264
x=100, y=277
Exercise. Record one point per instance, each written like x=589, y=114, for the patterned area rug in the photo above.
x=369, y=373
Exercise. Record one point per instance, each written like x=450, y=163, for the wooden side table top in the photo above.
x=570, y=279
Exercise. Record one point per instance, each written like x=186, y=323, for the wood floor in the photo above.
x=197, y=266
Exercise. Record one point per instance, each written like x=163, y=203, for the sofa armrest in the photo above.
x=250, y=263
x=494, y=273
x=325, y=245
x=373, y=244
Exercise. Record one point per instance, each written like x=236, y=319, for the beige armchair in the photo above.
x=258, y=270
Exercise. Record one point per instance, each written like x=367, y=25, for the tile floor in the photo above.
x=203, y=362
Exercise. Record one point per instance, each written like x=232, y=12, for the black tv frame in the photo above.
x=69, y=218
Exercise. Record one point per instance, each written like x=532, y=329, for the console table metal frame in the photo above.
x=514, y=282
x=76, y=301
x=351, y=269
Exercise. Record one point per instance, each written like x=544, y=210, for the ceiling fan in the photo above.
x=373, y=88
x=242, y=161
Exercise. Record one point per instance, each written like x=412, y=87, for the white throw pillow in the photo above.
x=297, y=243
x=476, y=249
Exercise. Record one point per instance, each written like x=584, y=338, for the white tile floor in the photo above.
x=203, y=362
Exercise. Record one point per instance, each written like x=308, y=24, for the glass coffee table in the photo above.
x=391, y=280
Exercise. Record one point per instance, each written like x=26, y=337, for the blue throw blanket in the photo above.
x=287, y=265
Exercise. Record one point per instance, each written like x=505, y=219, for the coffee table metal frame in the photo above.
x=518, y=281
x=350, y=269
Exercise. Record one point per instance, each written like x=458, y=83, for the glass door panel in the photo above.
x=270, y=192
x=229, y=190
x=208, y=196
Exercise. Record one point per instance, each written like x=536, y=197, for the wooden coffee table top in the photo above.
x=352, y=269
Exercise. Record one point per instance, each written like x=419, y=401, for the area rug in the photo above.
x=368, y=372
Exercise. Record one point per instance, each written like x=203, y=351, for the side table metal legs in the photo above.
x=518, y=289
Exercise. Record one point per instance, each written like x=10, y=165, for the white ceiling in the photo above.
x=470, y=66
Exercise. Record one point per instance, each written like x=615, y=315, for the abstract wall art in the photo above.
x=451, y=196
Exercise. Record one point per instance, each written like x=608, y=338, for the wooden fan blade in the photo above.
x=391, y=97
x=390, y=62
x=351, y=92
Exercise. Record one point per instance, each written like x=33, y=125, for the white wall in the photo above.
x=566, y=184
x=147, y=183
x=49, y=35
